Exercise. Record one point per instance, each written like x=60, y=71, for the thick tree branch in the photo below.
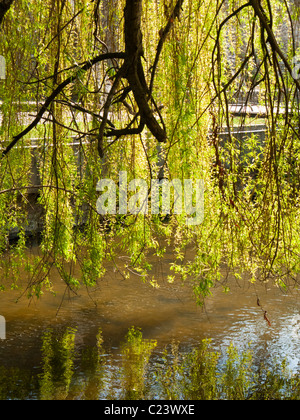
x=127, y=131
x=131, y=70
x=134, y=69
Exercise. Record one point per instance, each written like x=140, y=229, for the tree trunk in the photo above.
x=134, y=71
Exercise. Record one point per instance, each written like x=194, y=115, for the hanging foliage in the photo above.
x=147, y=87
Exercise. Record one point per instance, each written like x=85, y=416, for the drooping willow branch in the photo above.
x=271, y=36
x=265, y=24
x=275, y=71
x=163, y=36
x=55, y=93
x=131, y=70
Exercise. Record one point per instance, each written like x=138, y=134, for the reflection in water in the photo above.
x=59, y=379
x=136, y=353
x=140, y=373
x=58, y=365
x=17, y=383
x=87, y=349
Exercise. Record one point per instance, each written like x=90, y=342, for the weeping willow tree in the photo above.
x=94, y=88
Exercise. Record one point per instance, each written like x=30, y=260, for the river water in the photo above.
x=164, y=314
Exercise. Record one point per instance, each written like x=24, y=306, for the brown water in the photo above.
x=164, y=314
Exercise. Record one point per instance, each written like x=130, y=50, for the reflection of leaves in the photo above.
x=46, y=378
x=58, y=364
x=199, y=373
x=16, y=383
x=136, y=353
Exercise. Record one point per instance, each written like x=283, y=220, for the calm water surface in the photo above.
x=164, y=314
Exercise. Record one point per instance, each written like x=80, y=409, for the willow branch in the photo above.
x=271, y=37
x=106, y=111
x=133, y=68
x=87, y=66
x=127, y=130
x=163, y=36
